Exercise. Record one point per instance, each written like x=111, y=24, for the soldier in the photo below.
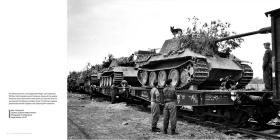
x=155, y=110
x=131, y=58
x=267, y=67
x=169, y=111
x=93, y=91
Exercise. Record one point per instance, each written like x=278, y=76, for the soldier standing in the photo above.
x=93, y=91
x=155, y=110
x=131, y=58
x=169, y=111
x=267, y=67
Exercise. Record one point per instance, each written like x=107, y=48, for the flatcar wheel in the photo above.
x=174, y=76
x=263, y=114
x=240, y=118
x=152, y=78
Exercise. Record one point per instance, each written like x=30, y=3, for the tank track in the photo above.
x=200, y=74
x=114, y=78
x=247, y=76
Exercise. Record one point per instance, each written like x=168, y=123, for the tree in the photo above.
x=201, y=37
x=72, y=81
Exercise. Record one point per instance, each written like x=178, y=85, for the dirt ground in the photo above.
x=99, y=119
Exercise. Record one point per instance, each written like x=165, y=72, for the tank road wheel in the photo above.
x=105, y=82
x=142, y=76
x=187, y=75
x=162, y=76
x=194, y=73
x=110, y=81
x=101, y=82
x=152, y=78
x=174, y=76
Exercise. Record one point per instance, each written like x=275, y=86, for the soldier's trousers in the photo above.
x=155, y=114
x=267, y=78
x=170, y=113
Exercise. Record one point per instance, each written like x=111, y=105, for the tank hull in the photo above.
x=114, y=76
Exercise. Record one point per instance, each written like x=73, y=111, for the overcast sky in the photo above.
x=121, y=27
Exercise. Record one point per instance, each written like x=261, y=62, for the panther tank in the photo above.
x=191, y=69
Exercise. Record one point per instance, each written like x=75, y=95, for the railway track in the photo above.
x=231, y=129
x=228, y=129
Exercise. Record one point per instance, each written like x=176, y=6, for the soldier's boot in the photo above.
x=173, y=132
x=155, y=129
x=164, y=131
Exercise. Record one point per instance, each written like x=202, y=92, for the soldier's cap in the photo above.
x=168, y=81
x=266, y=43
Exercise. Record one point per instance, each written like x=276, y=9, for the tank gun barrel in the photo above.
x=260, y=31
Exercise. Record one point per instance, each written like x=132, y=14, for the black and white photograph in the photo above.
x=163, y=69
x=139, y=69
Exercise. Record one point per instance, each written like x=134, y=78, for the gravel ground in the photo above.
x=102, y=120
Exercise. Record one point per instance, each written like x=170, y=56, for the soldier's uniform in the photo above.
x=130, y=58
x=155, y=110
x=169, y=111
x=93, y=91
x=267, y=69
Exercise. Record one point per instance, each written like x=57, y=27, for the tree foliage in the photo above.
x=199, y=34
x=72, y=80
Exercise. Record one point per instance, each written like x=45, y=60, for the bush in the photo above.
x=201, y=37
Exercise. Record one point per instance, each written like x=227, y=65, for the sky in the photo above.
x=97, y=28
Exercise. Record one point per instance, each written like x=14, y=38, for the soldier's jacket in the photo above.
x=267, y=62
x=155, y=96
x=169, y=94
